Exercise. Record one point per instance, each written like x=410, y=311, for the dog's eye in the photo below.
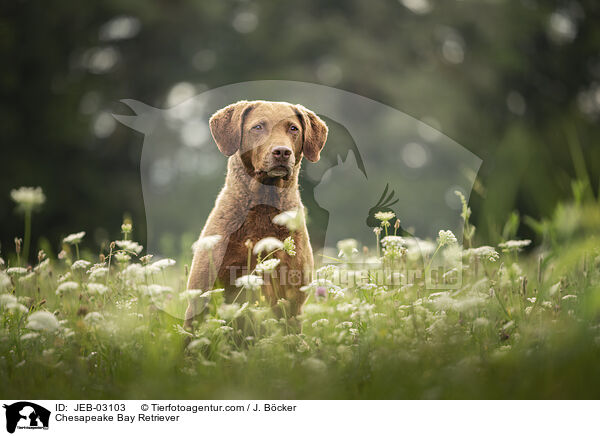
x=257, y=127
x=293, y=128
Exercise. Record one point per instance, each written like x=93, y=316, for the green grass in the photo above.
x=516, y=328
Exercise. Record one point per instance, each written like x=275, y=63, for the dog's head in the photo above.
x=271, y=137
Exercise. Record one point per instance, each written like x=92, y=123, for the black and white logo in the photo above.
x=26, y=415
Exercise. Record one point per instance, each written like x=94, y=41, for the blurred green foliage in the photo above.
x=516, y=82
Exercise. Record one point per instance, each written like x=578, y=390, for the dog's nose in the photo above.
x=282, y=152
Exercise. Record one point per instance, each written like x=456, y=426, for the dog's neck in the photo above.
x=249, y=191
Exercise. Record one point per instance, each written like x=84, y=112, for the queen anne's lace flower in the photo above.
x=93, y=318
x=446, y=237
x=292, y=219
x=16, y=271
x=267, y=265
x=249, y=281
x=97, y=272
x=67, y=287
x=161, y=264
x=80, y=265
x=42, y=320
x=268, y=244
x=206, y=243
x=289, y=246
x=97, y=288
x=514, y=245
x=74, y=238
x=484, y=251
x=393, y=247
x=28, y=199
x=327, y=272
x=130, y=246
x=384, y=216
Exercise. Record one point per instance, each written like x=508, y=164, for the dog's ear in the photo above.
x=315, y=133
x=226, y=126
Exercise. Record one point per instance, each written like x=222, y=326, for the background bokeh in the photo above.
x=515, y=82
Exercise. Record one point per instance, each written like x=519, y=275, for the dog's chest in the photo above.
x=259, y=224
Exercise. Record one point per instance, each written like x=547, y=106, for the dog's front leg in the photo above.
x=203, y=275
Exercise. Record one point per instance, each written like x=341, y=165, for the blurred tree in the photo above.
x=516, y=82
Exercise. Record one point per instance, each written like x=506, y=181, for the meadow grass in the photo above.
x=520, y=325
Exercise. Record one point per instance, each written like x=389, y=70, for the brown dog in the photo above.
x=265, y=142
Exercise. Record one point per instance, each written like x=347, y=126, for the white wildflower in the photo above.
x=27, y=198
x=67, y=287
x=289, y=246
x=93, y=318
x=74, y=238
x=569, y=297
x=14, y=307
x=130, y=246
x=97, y=288
x=155, y=290
x=514, y=245
x=42, y=320
x=327, y=272
x=393, y=247
x=30, y=335
x=122, y=257
x=528, y=310
x=126, y=228
x=161, y=264
x=268, y=244
x=4, y=281
x=446, y=237
x=80, y=265
x=97, y=273
x=7, y=299
x=190, y=294
x=267, y=265
x=206, y=243
x=483, y=252
x=249, y=281
x=292, y=219
x=16, y=271
x=134, y=272
x=320, y=322
x=198, y=344
x=384, y=216
x=224, y=329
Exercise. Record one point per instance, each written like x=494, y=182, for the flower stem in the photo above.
x=431, y=260
x=27, y=235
